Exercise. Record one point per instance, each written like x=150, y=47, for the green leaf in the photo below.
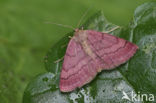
x=140, y=71
x=137, y=75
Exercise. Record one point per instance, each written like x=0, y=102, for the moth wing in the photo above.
x=112, y=50
x=78, y=68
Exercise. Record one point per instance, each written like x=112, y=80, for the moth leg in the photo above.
x=117, y=27
x=59, y=60
x=70, y=37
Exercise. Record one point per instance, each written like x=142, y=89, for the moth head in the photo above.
x=80, y=35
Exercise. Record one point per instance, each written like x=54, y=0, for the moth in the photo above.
x=88, y=53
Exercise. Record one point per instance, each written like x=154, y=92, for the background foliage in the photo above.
x=25, y=37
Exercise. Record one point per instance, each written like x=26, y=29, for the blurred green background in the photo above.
x=25, y=37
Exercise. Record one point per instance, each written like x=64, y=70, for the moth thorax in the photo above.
x=81, y=37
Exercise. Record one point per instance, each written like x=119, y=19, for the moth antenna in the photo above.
x=112, y=29
x=85, y=13
x=62, y=25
